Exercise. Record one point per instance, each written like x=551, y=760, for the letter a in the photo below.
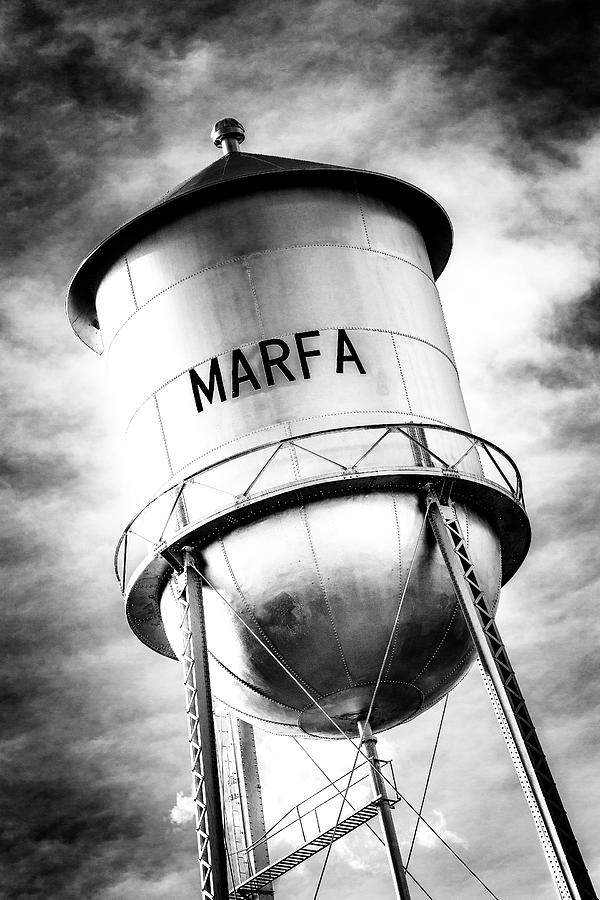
x=344, y=343
x=240, y=364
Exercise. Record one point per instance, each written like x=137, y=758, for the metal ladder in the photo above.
x=301, y=854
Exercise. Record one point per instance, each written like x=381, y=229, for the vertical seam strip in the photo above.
x=131, y=283
x=293, y=453
x=362, y=213
x=246, y=265
x=251, y=614
x=164, y=437
x=397, y=630
x=401, y=372
x=324, y=593
x=447, y=333
x=455, y=611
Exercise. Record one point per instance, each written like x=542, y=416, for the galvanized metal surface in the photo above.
x=244, y=820
x=251, y=793
x=324, y=600
x=228, y=134
x=234, y=174
x=249, y=319
x=144, y=587
x=232, y=791
x=292, y=267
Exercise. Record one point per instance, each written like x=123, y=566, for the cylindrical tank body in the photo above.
x=267, y=309
x=307, y=271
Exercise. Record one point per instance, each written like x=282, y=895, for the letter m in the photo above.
x=215, y=379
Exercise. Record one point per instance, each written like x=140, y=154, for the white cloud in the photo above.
x=426, y=838
x=184, y=810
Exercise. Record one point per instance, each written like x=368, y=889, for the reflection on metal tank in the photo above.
x=287, y=386
x=322, y=583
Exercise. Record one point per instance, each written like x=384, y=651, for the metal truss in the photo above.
x=159, y=524
x=201, y=734
x=563, y=856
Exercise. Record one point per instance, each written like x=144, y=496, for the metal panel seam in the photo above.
x=304, y=517
x=401, y=372
x=362, y=213
x=401, y=592
x=259, y=317
x=251, y=614
x=135, y=303
x=438, y=648
x=164, y=436
x=410, y=337
x=256, y=690
x=448, y=675
x=240, y=258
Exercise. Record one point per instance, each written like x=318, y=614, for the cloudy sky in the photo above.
x=493, y=107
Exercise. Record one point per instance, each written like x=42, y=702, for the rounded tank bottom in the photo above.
x=394, y=704
x=321, y=600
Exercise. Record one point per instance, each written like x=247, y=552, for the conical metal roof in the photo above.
x=236, y=172
x=242, y=165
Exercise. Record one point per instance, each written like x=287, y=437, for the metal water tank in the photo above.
x=287, y=388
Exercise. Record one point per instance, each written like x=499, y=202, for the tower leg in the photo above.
x=385, y=814
x=251, y=793
x=568, y=870
x=243, y=814
x=201, y=731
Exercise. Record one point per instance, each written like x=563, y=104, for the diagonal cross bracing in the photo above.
x=568, y=870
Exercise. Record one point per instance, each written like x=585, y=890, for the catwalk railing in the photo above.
x=319, y=813
x=313, y=458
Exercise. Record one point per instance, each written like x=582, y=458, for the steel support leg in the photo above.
x=251, y=793
x=201, y=731
x=385, y=814
x=568, y=870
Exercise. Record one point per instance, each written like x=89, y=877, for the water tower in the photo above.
x=318, y=535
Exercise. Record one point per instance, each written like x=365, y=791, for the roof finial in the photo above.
x=228, y=134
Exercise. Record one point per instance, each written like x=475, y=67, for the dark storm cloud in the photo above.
x=68, y=829
x=76, y=815
x=535, y=65
x=560, y=373
x=63, y=93
x=577, y=324
x=29, y=474
x=78, y=86
x=573, y=331
x=44, y=841
x=78, y=78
